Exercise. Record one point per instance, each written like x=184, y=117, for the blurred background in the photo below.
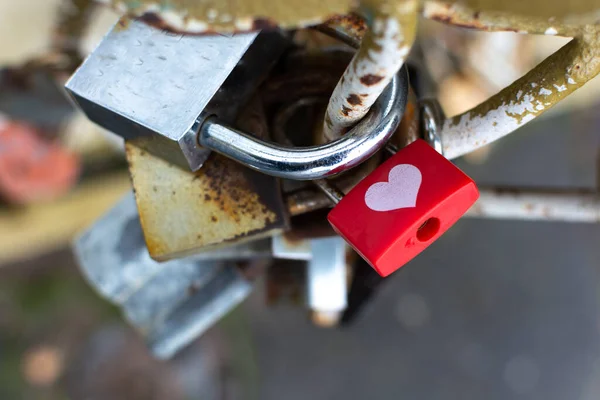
x=494, y=309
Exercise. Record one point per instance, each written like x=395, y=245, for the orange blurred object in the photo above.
x=43, y=365
x=31, y=168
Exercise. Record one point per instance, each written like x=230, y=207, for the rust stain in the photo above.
x=123, y=24
x=155, y=20
x=352, y=24
x=292, y=241
x=220, y=205
x=446, y=19
x=263, y=24
x=227, y=188
x=354, y=99
x=199, y=17
x=475, y=22
x=370, y=79
x=223, y=203
x=462, y=23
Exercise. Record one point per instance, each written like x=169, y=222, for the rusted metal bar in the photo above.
x=386, y=44
x=382, y=53
x=541, y=88
x=227, y=16
x=459, y=14
x=350, y=28
x=530, y=16
x=555, y=78
x=305, y=201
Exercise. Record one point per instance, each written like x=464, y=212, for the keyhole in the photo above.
x=428, y=230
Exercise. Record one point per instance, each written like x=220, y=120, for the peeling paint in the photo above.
x=382, y=53
x=560, y=88
x=517, y=104
x=459, y=137
x=531, y=16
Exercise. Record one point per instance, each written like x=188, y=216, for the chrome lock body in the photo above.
x=155, y=87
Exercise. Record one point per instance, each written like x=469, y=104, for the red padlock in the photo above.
x=403, y=206
x=33, y=169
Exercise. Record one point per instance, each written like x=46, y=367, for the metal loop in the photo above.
x=314, y=162
x=432, y=121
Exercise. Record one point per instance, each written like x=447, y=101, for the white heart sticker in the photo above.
x=401, y=190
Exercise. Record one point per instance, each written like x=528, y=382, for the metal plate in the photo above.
x=183, y=213
x=224, y=203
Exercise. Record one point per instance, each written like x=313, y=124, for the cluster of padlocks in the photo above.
x=231, y=180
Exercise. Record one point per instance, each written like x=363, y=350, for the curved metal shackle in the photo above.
x=314, y=162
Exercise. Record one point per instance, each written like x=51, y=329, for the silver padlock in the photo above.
x=170, y=303
x=157, y=87
x=170, y=92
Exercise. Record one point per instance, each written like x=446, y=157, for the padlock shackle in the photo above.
x=314, y=162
